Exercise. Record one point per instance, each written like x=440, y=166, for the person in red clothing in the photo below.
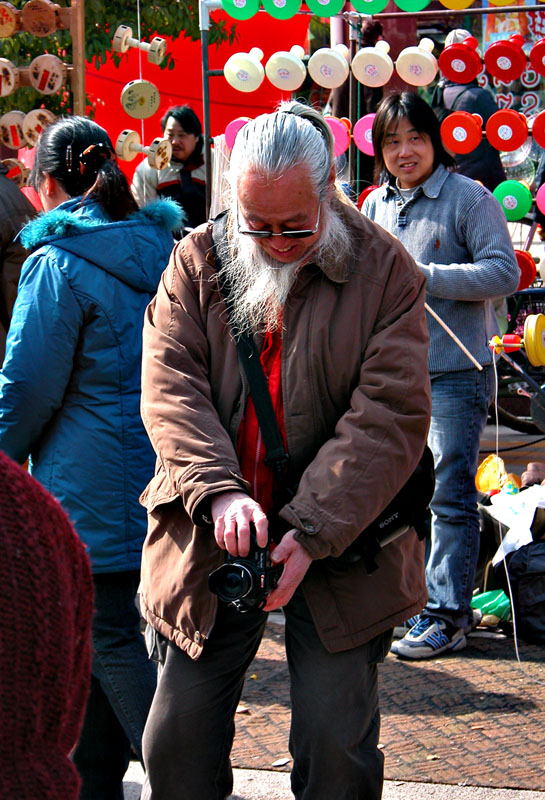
x=46, y=604
x=335, y=306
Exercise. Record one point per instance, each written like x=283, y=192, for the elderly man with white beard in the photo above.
x=336, y=308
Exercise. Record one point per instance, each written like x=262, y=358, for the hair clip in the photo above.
x=69, y=158
x=94, y=156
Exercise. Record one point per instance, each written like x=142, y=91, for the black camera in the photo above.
x=245, y=582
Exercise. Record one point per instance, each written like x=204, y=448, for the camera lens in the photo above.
x=232, y=582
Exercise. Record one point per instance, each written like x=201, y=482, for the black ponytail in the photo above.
x=80, y=156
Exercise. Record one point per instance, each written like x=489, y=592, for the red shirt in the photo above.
x=250, y=447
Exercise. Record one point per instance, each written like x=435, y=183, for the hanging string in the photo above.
x=142, y=134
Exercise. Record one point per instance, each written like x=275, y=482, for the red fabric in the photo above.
x=251, y=451
x=46, y=602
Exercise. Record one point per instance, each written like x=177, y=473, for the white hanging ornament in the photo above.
x=417, y=66
x=128, y=146
x=372, y=66
x=244, y=71
x=286, y=70
x=328, y=66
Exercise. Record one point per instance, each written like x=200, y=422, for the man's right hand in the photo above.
x=232, y=513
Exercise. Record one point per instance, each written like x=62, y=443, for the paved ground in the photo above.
x=267, y=785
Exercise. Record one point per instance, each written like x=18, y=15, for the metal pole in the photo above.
x=205, y=6
x=77, y=31
x=451, y=12
x=353, y=38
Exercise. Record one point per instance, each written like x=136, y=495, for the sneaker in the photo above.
x=430, y=637
x=477, y=619
x=405, y=627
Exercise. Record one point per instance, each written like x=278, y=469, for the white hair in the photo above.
x=272, y=144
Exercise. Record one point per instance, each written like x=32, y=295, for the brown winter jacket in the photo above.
x=356, y=403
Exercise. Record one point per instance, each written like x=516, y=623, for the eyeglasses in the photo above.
x=287, y=234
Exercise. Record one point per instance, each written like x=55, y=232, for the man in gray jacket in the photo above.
x=15, y=211
x=335, y=306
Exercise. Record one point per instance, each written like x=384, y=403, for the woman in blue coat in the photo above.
x=70, y=397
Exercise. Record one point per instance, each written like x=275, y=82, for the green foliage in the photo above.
x=173, y=18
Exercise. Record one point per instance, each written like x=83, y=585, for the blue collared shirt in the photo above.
x=456, y=231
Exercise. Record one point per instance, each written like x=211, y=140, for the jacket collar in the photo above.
x=431, y=187
x=74, y=217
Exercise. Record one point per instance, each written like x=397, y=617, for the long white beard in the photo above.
x=259, y=284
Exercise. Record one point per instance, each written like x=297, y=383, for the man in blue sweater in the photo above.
x=457, y=233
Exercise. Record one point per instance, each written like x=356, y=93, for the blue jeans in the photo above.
x=460, y=402
x=122, y=687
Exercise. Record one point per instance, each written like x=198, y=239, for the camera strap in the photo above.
x=276, y=456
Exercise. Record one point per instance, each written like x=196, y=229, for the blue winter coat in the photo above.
x=70, y=383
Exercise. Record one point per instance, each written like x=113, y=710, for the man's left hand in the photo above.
x=296, y=562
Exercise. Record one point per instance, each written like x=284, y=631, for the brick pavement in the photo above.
x=474, y=717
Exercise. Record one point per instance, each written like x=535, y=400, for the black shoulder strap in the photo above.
x=248, y=354
x=458, y=98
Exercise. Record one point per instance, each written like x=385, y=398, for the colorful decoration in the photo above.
x=233, y=128
x=128, y=146
x=328, y=67
x=372, y=66
x=515, y=198
x=240, y=9
x=123, y=40
x=244, y=71
x=507, y=130
x=281, y=9
x=462, y=132
x=286, y=70
x=341, y=135
x=460, y=62
x=506, y=60
x=417, y=65
x=362, y=133
x=140, y=99
x=325, y=8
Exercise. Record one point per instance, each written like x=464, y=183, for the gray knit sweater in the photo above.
x=457, y=233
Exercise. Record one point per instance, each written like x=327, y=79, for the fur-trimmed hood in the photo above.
x=128, y=249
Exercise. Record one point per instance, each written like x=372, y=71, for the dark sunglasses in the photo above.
x=287, y=234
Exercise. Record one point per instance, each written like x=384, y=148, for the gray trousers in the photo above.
x=335, y=717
